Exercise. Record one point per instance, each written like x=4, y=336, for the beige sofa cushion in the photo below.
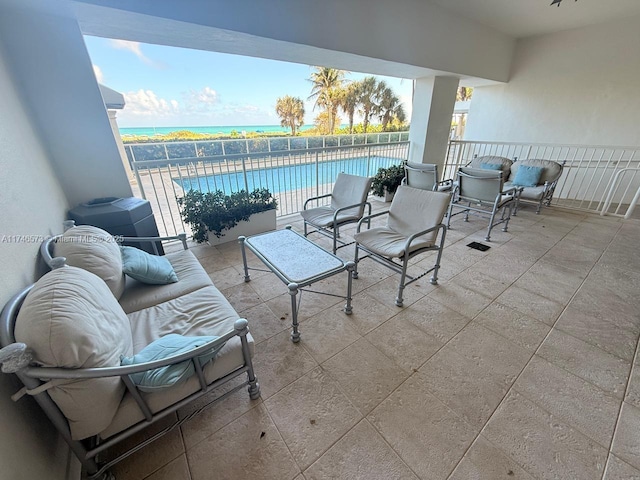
x=71, y=319
x=191, y=277
x=550, y=170
x=202, y=312
x=94, y=250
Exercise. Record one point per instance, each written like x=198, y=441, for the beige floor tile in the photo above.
x=608, y=302
x=480, y=282
x=542, y=444
x=364, y=374
x=368, y=313
x=178, y=469
x=554, y=282
x=470, y=391
x=311, y=414
x=575, y=401
x=242, y=297
x=326, y=335
x=491, y=352
x=502, y=267
x=626, y=443
x=226, y=278
x=263, y=323
x=483, y=461
x=460, y=253
x=434, y=319
x=249, y=447
x=404, y=343
x=586, y=361
x=278, y=362
x=633, y=391
x=360, y=455
x=461, y=299
x=268, y=286
x=449, y=268
x=513, y=325
x=598, y=331
x=619, y=470
x=216, y=415
x=214, y=262
x=568, y=256
x=151, y=458
x=387, y=290
x=311, y=304
x=429, y=437
x=531, y=304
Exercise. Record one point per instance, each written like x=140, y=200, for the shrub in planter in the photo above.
x=215, y=212
x=387, y=179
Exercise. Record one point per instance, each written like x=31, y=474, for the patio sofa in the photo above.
x=93, y=346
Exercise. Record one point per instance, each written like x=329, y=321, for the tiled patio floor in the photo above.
x=518, y=365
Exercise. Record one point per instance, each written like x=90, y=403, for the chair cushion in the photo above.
x=550, y=173
x=323, y=216
x=147, y=268
x=94, y=250
x=202, y=312
x=527, y=176
x=491, y=166
x=387, y=242
x=530, y=193
x=164, y=347
x=493, y=160
x=71, y=319
x=138, y=295
x=414, y=210
x=350, y=190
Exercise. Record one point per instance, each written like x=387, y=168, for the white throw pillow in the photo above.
x=95, y=250
x=70, y=319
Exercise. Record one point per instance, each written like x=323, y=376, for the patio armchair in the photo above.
x=482, y=191
x=348, y=202
x=536, y=180
x=414, y=226
x=425, y=177
x=493, y=162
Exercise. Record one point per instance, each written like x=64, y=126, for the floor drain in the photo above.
x=479, y=246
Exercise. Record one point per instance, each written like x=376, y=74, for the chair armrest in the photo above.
x=369, y=217
x=419, y=234
x=240, y=328
x=304, y=207
x=512, y=191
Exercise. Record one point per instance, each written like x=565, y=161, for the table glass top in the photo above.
x=295, y=257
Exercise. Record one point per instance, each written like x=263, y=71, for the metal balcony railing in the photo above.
x=292, y=175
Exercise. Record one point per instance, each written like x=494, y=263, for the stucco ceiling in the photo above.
x=524, y=18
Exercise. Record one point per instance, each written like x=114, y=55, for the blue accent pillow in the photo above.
x=491, y=166
x=527, y=176
x=164, y=347
x=147, y=268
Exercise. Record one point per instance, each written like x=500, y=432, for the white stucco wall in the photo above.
x=45, y=52
x=573, y=87
x=32, y=202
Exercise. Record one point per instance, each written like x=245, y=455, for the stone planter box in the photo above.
x=257, y=223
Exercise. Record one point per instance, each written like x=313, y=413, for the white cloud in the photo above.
x=98, y=73
x=145, y=103
x=133, y=47
x=202, y=101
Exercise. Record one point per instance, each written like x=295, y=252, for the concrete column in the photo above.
x=113, y=121
x=433, y=102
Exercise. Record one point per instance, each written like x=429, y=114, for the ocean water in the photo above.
x=214, y=129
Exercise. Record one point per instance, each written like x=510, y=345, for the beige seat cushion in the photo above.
x=323, y=216
x=191, y=277
x=387, y=242
x=529, y=193
x=71, y=319
x=94, y=250
x=203, y=312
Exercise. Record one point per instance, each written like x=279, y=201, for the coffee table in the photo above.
x=298, y=262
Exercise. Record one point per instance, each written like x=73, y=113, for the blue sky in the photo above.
x=170, y=86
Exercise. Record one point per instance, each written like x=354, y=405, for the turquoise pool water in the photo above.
x=290, y=177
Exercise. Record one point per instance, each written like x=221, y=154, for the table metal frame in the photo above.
x=298, y=285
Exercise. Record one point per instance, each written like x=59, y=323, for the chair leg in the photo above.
x=335, y=240
x=403, y=276
x=354, y=273
x=436, y=267
x=539, y=206
x=493, y=216
x=506, y=222
x=305, y=228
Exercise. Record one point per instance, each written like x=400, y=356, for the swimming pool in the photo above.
x=287, y=177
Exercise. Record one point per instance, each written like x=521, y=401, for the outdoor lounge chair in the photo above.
x=425, y=177
x=414, y=226
x=539, y=188
x=481, y=190
x=348, y=201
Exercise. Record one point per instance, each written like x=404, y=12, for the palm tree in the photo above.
x=327, y=83
x=389, y=107
x=291, y=112
x=350, y=101
x=369, y=92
